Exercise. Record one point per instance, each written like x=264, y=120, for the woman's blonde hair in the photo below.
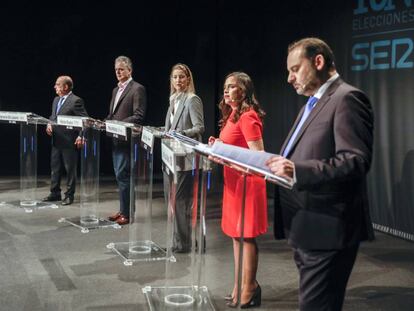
x=189, y=75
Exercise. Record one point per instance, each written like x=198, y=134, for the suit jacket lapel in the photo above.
x=178, y=113
x=54, y=107
x=167, y=119
x=315, y=111
x=111, y=106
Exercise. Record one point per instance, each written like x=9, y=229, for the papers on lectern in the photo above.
x=187, y=141
x=251, y=161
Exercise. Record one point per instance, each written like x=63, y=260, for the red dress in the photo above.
x=248, y=128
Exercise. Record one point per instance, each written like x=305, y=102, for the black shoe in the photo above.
x=67, y=201
x=255, y=301
x=52, y=198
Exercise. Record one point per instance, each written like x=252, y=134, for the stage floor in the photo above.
x=47, y=265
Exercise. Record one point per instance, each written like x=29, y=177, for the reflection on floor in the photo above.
x=47, y=265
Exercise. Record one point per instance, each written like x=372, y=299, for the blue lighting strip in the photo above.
x=193, y=171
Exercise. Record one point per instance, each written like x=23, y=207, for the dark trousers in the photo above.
x=67, y=158
x=122, y=164
x=323, y=277
x=182, y=209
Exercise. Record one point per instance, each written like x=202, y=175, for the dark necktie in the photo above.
x=309, y=106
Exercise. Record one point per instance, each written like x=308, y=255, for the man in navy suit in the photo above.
x=65, y=142
x=128, y=104
x=328, y=155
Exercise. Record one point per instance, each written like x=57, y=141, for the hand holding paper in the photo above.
x=281, y=166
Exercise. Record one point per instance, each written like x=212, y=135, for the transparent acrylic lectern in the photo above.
x=28, y=158
x=247, y=163
x=183, y=288
x=141, y=246
x=89, y=183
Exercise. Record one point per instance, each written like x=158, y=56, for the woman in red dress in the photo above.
x=241, y=125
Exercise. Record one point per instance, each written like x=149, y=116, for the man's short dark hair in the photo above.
x=312, y=47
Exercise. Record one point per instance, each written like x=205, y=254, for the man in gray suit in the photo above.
x=64, y=141
x=128, y=104
x=328, y=154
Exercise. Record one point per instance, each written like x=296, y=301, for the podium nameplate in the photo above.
x=118, y=129
x=148, y=137
x=176, y=156
x=167, y=156
x=14, y=117
x=71, y=121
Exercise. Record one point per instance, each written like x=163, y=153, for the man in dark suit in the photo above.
x=328, y=155
x=128, y=104
x=64, y=141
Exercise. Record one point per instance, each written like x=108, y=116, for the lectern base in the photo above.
x=86, y=226
x=138, y=251
x=178, y=298
x=29, y=206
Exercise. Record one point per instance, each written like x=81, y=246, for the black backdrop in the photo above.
x=215, y=37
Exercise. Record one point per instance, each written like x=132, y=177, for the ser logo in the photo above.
x=389, y=18
x=383, y=54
